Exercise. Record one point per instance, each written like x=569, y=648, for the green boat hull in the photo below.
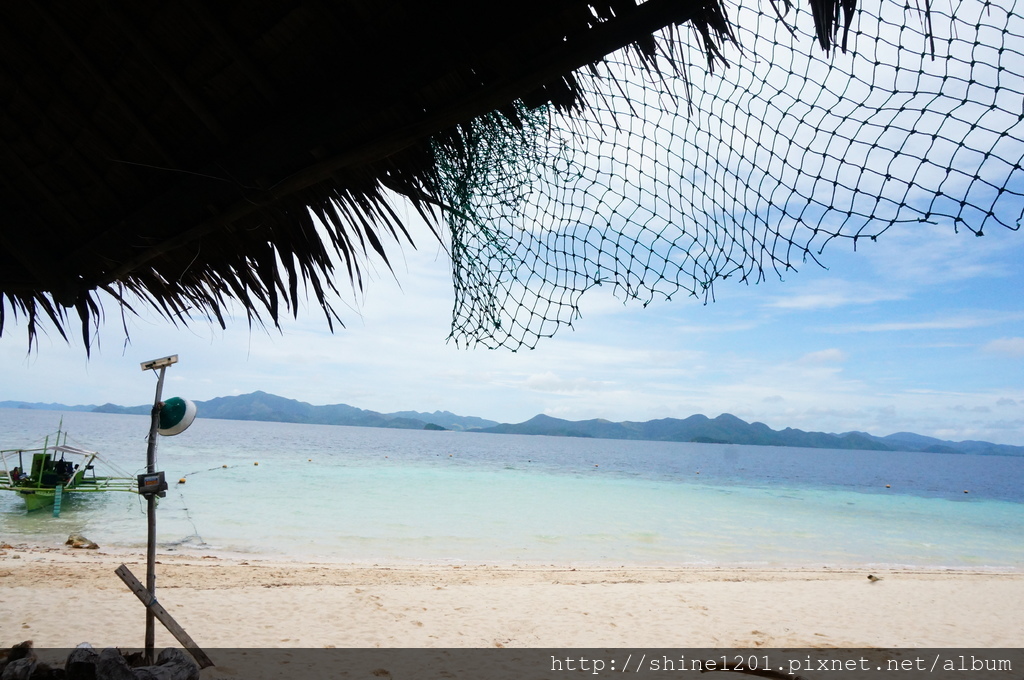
x=37, y=499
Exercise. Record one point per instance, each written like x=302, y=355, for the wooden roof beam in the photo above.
x=244, y=63
x=40, y=271
x=42, y=190
x=48, y=277
x=112, y=95
x=65, y=142
x=180, y=88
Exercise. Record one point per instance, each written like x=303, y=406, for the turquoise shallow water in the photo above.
x=373, y=495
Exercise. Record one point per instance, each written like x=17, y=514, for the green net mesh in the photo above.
x=669, y=182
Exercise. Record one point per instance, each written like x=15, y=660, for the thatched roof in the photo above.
x=176, y=150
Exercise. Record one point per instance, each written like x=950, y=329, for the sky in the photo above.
x=921, y=331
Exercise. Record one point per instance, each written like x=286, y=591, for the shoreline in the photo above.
x=59, y=597
x=201, y=554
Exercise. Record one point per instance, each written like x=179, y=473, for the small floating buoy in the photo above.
x=966, y=491
x=887, y=486
x=595, y=464
x=310, y=460
x=181, y=481
x=223, y=466
x=256, y=463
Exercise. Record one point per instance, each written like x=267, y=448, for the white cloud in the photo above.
x=961, y=408
x=707, y=329
x=552, y=382
x=825, y=356
x=1007, y=347
x=954, y=321
x=927, y=255
x=831, y=294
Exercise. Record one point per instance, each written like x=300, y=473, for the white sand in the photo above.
x=58, y=598
x=61, y=597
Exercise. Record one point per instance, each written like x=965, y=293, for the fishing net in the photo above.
x=672, y=179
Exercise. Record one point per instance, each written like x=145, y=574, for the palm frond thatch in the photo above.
x=183, y=152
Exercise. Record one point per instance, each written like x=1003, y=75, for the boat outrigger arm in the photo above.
x=44, y=476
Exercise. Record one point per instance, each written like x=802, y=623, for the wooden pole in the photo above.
x=159, y=612
x=151, y=508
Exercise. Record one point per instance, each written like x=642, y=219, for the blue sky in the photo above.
x=921, y=331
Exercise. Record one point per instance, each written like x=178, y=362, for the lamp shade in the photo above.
x=176, y=415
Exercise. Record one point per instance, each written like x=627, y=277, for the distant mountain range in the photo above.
x=725, y=429
x=728, y=429
x=270, y=407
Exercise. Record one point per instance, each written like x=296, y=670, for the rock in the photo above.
x=21, y=669
x=81, y=663
x=80, y=541
x=19, y=663
x=173, y=664
x=111, y=664
x=22, y=650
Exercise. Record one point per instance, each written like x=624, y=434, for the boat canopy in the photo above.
x=64, y=448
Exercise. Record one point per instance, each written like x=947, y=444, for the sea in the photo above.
x=321, y=493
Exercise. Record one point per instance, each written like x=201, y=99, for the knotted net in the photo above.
x=687, y=175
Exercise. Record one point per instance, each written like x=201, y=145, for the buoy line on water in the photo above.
x=181, y=497
x=188, y=516
x=220, y=467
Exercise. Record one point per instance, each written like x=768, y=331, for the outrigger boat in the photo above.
x=45, y=476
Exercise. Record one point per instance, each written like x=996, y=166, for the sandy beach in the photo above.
x=61, y=597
